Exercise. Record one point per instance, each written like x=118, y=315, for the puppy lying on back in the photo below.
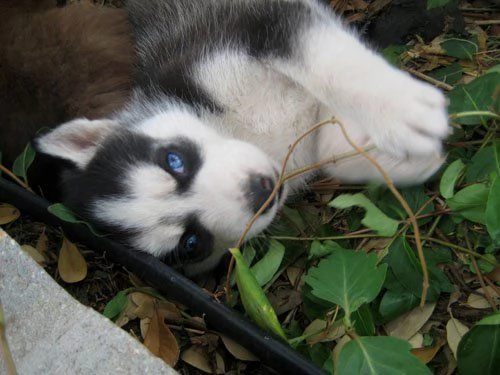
x=221, y=89
x=57, y=64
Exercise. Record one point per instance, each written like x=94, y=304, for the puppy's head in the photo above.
x=168, y=185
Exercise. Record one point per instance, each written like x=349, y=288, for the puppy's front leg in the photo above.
x=400, y=115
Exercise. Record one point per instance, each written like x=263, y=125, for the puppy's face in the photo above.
x=170, y=185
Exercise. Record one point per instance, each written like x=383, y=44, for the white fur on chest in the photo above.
x=260, y=105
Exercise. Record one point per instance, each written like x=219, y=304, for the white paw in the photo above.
x=405, y=116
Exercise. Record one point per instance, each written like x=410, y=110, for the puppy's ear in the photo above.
x=76, y=141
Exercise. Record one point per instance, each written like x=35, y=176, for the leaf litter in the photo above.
x=462, y=223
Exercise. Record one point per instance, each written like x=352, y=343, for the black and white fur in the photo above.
x=222, y=89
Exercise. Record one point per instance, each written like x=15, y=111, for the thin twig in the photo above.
x=431, y=80
x=406, y=207
x=14, y=177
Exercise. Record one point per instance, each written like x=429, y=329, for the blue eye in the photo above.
x=175, y=162
x=191, y=242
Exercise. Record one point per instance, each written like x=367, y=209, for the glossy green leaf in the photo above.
x=23, y=161
x=253, y=298
x=65, y=214
x=460, y=48
x=321, y=249
x=265, y=268
x=396, y=303
x=393, y=54
x=470, y=202
x=481, y=165
x=116, y=305
x=492, y=213
x=479, y=350
x=379, y=356
x=450, y=177
x=374, y=218
x=478, y=95
x=450, y=74
x=363, y=322
x=347, y=278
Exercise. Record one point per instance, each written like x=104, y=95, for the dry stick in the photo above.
x=14, y=177
x=281, y=179
x=480, y=278
x=404, y=204
x=425, y=77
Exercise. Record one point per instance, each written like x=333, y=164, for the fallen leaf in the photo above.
x=319, y=332
x=293, y=273
x=161, y=341
x=427, y=354
x=416, y=341
x=34, y=254
x=238, y=351
x=8, y=213
x=144, y=326
x=42, y=242
x=408, y=324
x=479, y=302
x=71, y=265
x=198, y=358
x=455, y=330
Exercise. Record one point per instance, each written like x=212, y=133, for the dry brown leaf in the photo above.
x=416, y=341
x=8, y=213
x=427, y=354
x=319, y=325
x=71, y=264
x=238, y=351
x=198, y=358
x=161, y=341
x=495, y=274
x=144, y=326
x=42, y=243
x=455, y=330
x=127, y=314
x=479, y=302
x=34, y=254
x=139, y=298
x=293, y=273
x=408, y=324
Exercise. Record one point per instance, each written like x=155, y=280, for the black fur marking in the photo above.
x=192, y=158
x=205, y=244
x=168, y=50
x=104, y=175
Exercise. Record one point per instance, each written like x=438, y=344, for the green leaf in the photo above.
x=374, y=218
x=460, y=48
x=480, y=166
x=470, y=202
x=478, y=95
x=479, y=350
x=450, y=177
x=322, y=249
x=116, y=305
x=253, y=298
x=396, y=303
x=450, y=74
x=393, y=54
x=363, y=321
x=379, y=356
x=436, y=3
x=23, y=161
x=265, y=268
x=65, y=214
x=347, y=278
x=492, y=213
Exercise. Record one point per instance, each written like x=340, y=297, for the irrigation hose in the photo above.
x=271, y=351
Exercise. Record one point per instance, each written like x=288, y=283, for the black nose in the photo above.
x=259, y=190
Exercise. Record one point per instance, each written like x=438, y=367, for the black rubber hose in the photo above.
x=271, y=351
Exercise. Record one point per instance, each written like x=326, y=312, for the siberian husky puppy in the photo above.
x=222, y=89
